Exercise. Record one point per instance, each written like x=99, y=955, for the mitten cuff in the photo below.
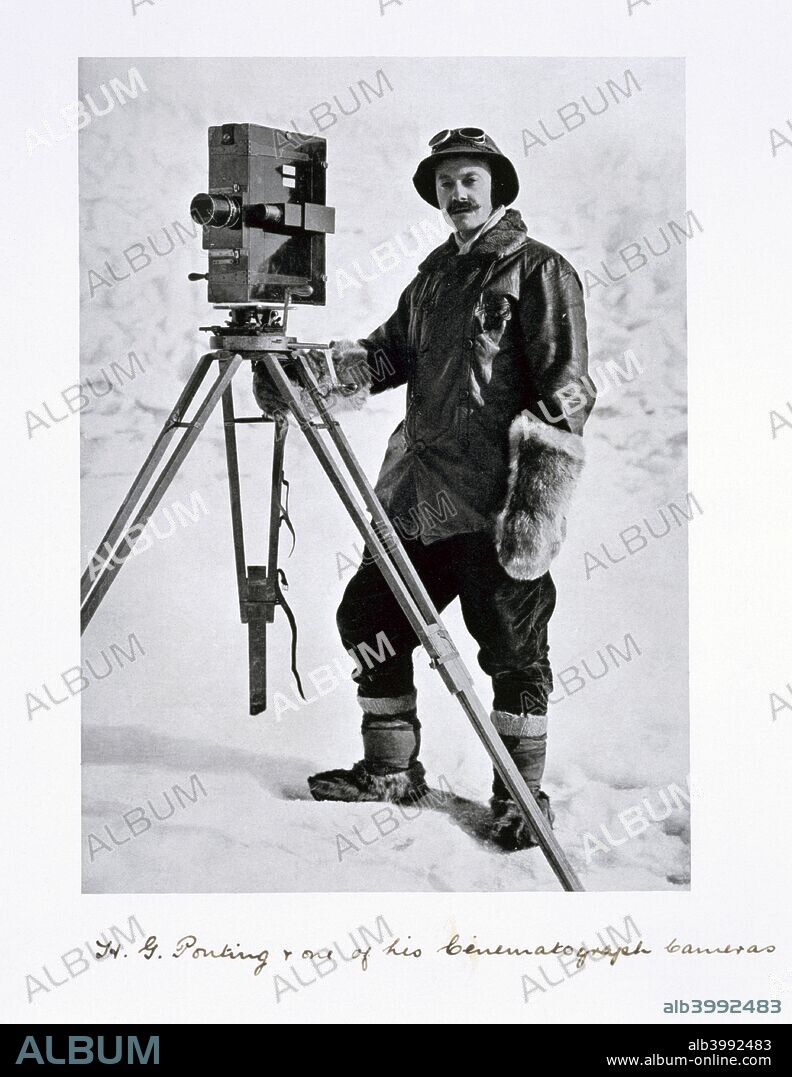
x=545, y=465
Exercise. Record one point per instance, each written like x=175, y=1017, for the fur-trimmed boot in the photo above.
x=389, y=769
x=510, y=829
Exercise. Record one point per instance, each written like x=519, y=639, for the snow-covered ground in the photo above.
x=618, y=756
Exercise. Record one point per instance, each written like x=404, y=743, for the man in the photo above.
x=487, y=337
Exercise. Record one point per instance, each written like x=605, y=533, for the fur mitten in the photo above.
x=545, y=465
x=268, y=396
x=354, y=374
x=350, y=392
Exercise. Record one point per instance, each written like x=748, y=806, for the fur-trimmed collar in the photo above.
x=508, y=235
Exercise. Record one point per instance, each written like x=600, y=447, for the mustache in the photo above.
x=459, y=207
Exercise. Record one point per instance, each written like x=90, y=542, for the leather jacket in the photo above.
x=477, y=338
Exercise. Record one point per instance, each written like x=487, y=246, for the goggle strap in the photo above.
x=468, y=134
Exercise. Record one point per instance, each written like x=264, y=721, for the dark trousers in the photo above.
x=508, y=619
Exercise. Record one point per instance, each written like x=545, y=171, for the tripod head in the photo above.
x=255, y=326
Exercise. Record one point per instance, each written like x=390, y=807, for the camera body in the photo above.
x=264, y=215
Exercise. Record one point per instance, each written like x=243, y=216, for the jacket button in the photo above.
x=469, y=344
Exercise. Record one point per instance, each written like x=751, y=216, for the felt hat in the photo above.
x=467, y=142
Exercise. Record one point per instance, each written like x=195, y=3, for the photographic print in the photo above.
x=502, y=309
x=396, y=530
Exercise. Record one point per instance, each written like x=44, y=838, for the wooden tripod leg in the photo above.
x=411, y=595
x=129, y=534
x=250, y=582
x=232, y=462
x=143, y=477
x=260, y=611
x=384, y=527
x=263, y=583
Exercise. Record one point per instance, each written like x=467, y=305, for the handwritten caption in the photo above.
x=188, y=946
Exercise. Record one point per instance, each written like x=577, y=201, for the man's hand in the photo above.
x=350, y=361
x=344, y=376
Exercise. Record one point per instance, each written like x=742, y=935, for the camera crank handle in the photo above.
x=197, y=276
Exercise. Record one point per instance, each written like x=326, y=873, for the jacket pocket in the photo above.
x=492, y=312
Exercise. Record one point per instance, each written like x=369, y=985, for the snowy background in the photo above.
x=180, y=709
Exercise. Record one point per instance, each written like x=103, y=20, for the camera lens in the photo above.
x=216, y=210
x=263, y=214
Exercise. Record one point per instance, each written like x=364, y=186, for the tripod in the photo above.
x=253, y=335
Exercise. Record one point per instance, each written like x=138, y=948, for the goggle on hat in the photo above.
x=470, y=142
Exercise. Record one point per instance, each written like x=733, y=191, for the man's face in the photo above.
x=464, y=192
